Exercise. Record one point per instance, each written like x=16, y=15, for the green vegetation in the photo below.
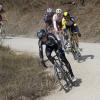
x=21, y=76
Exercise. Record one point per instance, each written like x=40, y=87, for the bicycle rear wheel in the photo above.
x=75, y=48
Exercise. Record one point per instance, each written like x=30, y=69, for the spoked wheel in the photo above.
x=75, y=50
x=63, y=79
x=76, y=54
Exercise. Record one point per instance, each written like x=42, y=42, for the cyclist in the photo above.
x=2, y=16
x=48, y=18
x=68, y=23
x=57, y=17
x=52, y=44
x=57, y=24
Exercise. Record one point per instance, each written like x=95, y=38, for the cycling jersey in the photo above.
x=57, y=22
x=70, y=24
x=67, y=22
x=51, y=43
x=64, y=23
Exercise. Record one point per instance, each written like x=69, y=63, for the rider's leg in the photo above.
x=76, y=33
x=77, y=39
x=66, y=37
x=48, y=54
x=57, y=36
x=62, y=56
x=62, y=40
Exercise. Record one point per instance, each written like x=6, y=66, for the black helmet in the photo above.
x=41, y=34
x=49, y=10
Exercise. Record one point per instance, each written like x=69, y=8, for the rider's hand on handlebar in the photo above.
x=43, y=63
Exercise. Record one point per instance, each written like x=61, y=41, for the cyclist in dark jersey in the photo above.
x=52, y=44
x=48, y=18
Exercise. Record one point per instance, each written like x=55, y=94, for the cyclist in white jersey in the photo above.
x=57, y=25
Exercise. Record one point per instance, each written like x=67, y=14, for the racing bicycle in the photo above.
x=62, y=75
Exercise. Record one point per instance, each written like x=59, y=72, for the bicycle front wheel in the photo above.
x=62, y=79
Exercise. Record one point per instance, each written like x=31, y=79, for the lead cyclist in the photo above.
x=52, y=44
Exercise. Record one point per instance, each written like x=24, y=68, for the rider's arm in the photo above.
x=54, y=23
x=40, y=49
x=73, y=19
x=41, y=53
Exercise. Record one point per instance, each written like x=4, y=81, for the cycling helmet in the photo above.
x=49, y=10
x=58, y=11
x=41, y=34
x=65, y=14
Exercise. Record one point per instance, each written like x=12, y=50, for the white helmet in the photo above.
x=58, y=11
x=49, y=10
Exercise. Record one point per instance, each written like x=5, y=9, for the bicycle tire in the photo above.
x=62, y=78
x=75, y=49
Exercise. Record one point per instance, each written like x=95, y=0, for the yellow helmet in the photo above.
x=65, y=13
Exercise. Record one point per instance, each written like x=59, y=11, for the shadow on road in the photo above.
x=78, y=82
x=83, y=58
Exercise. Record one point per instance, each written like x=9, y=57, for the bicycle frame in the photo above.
x=74, y=41
x=65, y=77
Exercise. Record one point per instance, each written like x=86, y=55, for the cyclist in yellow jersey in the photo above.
x=68, y=22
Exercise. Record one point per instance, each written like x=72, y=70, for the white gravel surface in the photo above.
x=88, y=70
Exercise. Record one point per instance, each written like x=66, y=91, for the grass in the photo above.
x=21, y=77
